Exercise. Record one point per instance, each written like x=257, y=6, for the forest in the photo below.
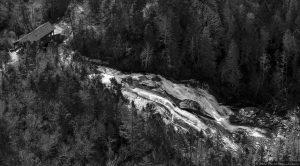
x=247, y=50
x=246, y=53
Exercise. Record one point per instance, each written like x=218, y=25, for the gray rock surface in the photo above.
x=194, y=107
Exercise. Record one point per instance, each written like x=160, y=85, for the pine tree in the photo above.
x=291, y=49
x=173, y=32
x=3, y=14
x=149, y=36
x=292, y=12
x=230, y=72
x=118, y=48
x=54, y=9
x=146, y=56
x=264, y=68
x=289, y=42
x=147, y=53
x=264, y=61
x=279, y=75
x=207, y=60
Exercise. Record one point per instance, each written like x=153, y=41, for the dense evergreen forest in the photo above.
x=244, y=52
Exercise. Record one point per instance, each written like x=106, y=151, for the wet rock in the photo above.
x=194, y=107
x=248, y=112
x=156, y=79
x=189, y=104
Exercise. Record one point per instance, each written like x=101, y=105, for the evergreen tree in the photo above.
x=146, y=56
x=230, y=72
x=207, y=59
x=3, y=14
x=291, y=49
x=54, y=9
x=289, y=42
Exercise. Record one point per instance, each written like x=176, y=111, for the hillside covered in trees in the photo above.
x=86, y=95
x=247, y=50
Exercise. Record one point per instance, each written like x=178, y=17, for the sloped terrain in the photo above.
x=208, y=116
x=186, y=109
x=195, y=129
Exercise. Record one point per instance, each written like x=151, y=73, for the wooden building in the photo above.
x=43, y=31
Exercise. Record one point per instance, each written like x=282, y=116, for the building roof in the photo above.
x=37, y=34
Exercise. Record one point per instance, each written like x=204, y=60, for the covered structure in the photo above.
x=37, y=34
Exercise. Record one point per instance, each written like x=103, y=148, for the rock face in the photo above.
x=195, y=108
x=245, y=116
x=182, y=106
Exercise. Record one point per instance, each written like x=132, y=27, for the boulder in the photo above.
x=194, y=107
x=189, y=104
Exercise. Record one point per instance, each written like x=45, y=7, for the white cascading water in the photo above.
x=141, y=96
